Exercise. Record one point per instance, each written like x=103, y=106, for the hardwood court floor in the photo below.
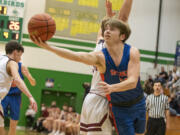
x=169, y=132
x=173, y=127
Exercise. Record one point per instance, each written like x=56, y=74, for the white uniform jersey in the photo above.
x=5, y=78
x=96, y=75
x=95, y=116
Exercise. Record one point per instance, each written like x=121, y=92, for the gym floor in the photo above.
x=169, y=132
x=173, y=127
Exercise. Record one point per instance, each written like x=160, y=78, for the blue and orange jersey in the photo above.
x=116, y=74
x=14, y=89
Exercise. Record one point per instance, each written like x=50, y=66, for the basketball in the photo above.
x=42, y=25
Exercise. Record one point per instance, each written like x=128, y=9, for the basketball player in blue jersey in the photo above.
x=8, y=73
x=12, y=102
x=119, y=65
x=95, y=116
x=122, y=82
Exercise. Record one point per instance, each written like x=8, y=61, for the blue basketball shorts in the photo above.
x=130, y=120
x=11, y=106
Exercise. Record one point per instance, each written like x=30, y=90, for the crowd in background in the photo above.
x=56, y=121
x=171, y=87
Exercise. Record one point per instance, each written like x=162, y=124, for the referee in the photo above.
x=157, y=107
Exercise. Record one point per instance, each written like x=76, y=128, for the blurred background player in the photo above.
x=8, y=73
x=12, y=102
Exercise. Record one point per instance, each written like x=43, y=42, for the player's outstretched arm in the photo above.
x=125, y=10
x=12, y=67
x=109, y=14
x=90, y=58
x=109, y=11
x=132, y=78
x=28, y=75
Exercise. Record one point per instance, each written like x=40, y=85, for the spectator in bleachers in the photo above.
x=163, y=76
x=156, y=78
x=72, y=123
x=44, y=111
x=69, y=121
x=44, y=114
x=175, y=104
x=174, y=85
x=30, y=115
x=175, y=72
x=76, y=123
x=170, y=76
x=54, y=113
x=148, y=89
x=59, y=123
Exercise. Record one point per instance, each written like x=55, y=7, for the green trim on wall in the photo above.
x=65, y=41
x=168, y=55
x=25, y=43
x=30, y=44
x=56, y=40
x=86, y=44
x=152, y=53
x=160, y=61
x=151, y=60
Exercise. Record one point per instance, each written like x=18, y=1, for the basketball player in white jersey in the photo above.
x=8, y=73
x=95, y=111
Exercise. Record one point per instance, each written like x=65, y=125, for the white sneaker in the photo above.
x=57, y=133
x=62, y=133
x=52, y=133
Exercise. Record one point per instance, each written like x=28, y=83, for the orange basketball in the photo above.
x=42, y=25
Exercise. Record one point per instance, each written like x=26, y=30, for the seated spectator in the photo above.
x=30, y=115
x=44, y=111
x=76, y=123
x=148, y=85
x=175, y=104
x=59, y=123
x=54, y=113
x=163, y=75
x=156, y=78
x=175, y=72
x=170, y=76
x=44, y=114
x=174, y=85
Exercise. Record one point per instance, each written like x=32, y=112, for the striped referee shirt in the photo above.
x=157, y=105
